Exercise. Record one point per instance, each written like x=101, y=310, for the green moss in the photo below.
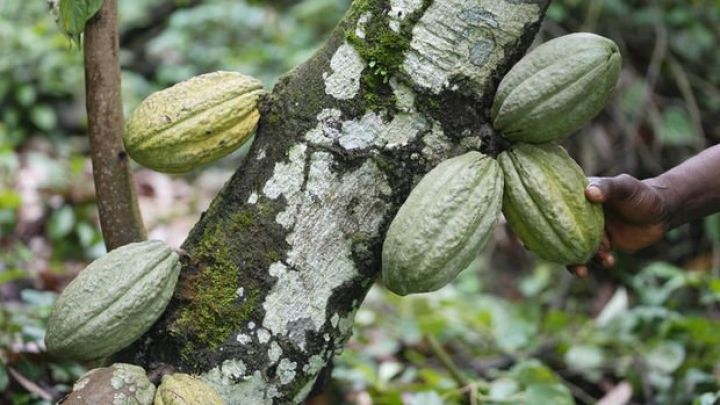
x=272, y=255
x=242, y=221
x=382, y=49
x=214, y=311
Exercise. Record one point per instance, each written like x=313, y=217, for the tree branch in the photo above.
x=282, y=259
x=120, y=218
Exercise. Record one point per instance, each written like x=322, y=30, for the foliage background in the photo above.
x=511, y=329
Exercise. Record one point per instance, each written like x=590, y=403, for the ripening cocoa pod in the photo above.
x=556, y=88
x=119, y=384
x=444, y=223
x=544, y=203
x=194, y=122
x=184, y=389
x=113, y=301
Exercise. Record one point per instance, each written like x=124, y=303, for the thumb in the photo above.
x=618, y=188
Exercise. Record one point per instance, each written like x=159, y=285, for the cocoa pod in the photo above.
x=194, y=122
x=556, y=88
x=544, y=203
x=113, y=301
x=119, y=384
x=442, y=226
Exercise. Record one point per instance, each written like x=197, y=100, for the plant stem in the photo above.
x=120, y=218
x=446, y=361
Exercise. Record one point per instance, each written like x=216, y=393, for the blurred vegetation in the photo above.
x=510, y=330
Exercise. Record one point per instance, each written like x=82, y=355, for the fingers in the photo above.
x=578, y=271
x=603, y=258
x=618, y=188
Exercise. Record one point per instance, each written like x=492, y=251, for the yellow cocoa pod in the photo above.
x=184, y=389
x=194, y=122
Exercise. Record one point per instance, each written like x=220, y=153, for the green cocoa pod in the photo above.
x=193, y=122
x=544, y=203
x=119, y=384
x=443, y=224
x=556, y=88
x=184, y=389
x=113, y=301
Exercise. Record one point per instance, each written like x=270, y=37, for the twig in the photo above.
x=446, y=361
x=683, y=83
x=120, y=218
x=30, y=386
x=593, y=13
x=578, y=391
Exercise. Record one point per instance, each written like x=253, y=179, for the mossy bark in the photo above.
x=280, y=262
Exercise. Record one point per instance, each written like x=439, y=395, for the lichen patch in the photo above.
x=286, y=371
x=324, y=217
x=347, y=66
x=399, y=9
x=465, y=38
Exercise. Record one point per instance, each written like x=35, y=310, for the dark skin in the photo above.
x=638, y=213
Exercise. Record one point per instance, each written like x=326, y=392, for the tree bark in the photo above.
x=278, y=265
x=120, y=218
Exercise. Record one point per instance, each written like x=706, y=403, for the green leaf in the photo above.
x=43, y=117
x=532, y=372
x=542, y=394
x=666, y=357
x=61, y=223
x=74, y=14
x=11, y=275
x=712, y=227
x=3, y=378
x=584, y=357
x=10, y=199
x=676, y=128
x=708, y=398
x=427, y=398
x=503, y=388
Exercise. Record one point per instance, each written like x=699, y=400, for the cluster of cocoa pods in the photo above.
x=123, y=383
x=449, y=215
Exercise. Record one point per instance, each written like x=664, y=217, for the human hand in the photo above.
x=636, y=215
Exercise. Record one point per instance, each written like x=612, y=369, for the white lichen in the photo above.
x=437, y=144
x=314, y=365
x=360, y=134
x=252, y=389
x=362, y=22
x=243, y=339
x=253, y=198
x=465, y=38
x=274, y=352
x=401, y=131
x=327, y=129
x=404, y=96
x=399, y=10
x=323, y=215
x=286, y=371
x=263, y=335
x=287, y=176
x=347, y=66
x=233, y=369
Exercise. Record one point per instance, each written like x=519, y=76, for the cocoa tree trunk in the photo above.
x=279, y=263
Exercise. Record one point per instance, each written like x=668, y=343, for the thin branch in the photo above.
x=120, y=218
x=683, y=83
x=446, y=361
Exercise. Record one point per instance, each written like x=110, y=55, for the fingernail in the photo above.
x=593, y=192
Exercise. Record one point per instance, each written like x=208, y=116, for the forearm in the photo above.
x=691, y=189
